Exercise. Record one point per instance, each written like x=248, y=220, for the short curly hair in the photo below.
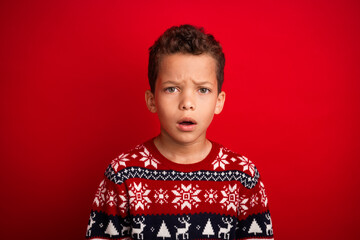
x=185, y=39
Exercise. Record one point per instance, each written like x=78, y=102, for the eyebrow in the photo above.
x=197, y=83
x=203, y=83
x=170, y=82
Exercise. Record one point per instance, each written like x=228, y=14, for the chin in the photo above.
x=188, y=138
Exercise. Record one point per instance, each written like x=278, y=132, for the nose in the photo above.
x=187, y=102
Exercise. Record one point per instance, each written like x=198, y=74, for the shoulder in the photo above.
x=235, y=160
x=124, y=158
x=131, y=163
x=134, y=157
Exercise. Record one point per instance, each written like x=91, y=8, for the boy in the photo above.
x=180, y=185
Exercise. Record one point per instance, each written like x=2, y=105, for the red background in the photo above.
x=73, y=76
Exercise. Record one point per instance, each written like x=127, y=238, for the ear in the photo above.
x=150, y=101
x=220, y=102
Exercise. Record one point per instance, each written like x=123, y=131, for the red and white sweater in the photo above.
x=146, y=196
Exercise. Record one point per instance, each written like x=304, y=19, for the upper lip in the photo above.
x=187, y=119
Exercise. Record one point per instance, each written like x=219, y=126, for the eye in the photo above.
x=204, y=90
x=170, y=89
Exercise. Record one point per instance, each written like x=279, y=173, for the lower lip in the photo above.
x=186, y=128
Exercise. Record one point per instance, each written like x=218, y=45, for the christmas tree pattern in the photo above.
x=111, y=230
x=208, y=230
x=163, y=231
x=254, y=228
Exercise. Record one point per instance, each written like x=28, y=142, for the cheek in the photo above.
x=166, y=103
x=165, y=111
x=207, y=106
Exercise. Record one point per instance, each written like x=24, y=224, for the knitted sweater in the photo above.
x=146, y=196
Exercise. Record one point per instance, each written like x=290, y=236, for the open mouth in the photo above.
x=186, y=123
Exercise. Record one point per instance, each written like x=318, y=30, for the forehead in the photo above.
x=179, y=67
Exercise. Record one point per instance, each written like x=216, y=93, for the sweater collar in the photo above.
x=201, y=165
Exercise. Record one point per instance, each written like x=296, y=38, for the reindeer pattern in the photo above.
x=91, y=223
x=226, y=230
x=138, y=231
x=269, y=229
x=184, y=230
x=181, y=227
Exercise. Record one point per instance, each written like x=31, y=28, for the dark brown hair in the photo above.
x=185, y=39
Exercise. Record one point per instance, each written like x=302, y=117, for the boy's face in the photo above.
x=186, y=96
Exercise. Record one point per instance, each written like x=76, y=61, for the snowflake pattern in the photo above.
x=247, y=165
x=119, y=161
x=242, y=205
x=111, y=198
x=139, y=196
x=161, y=196
x=148, y=159
x=186, y=196
x=220, y=160
x=210, y=196
x=230, y=197
x=264, y=199
x=254, y=200
x=123, y=204
x=100, y=194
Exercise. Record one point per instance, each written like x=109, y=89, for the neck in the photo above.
x=184, y=153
